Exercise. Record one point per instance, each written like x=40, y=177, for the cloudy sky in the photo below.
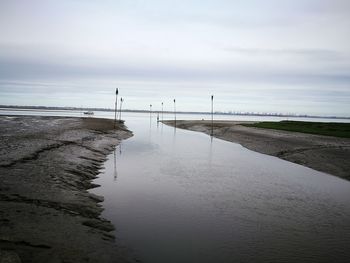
x=289, y=56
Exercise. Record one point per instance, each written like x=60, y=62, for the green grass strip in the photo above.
x=320, y=128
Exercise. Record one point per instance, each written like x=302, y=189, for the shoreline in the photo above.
x=47, y=165
x=322, y=153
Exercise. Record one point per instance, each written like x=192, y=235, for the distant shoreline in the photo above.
x=323, y=153
x=38, y=108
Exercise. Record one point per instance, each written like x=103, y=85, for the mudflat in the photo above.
x=47, y=165
x=323, y=153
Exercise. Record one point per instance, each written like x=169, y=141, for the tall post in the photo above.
x=150, y=110
x=115, y=106
x=162, y=111
x=175, y=111
x=120, y=110
x=212, y=115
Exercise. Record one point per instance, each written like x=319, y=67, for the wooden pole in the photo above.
x=175, y=111
x=212, y=115
x=115, y=106
x=162, y=111
x=120, y=111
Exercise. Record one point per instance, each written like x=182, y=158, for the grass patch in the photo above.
x=321, y=128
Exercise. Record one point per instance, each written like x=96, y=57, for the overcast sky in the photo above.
x=289, y=56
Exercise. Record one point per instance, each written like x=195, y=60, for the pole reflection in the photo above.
x=115, y=153
x=115, y=173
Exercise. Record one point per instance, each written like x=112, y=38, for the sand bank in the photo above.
x=323, y=153
x=46, y=168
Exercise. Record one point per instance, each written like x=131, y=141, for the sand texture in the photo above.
x=46, y=167
x=323, y=153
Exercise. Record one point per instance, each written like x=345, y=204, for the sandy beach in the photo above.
x=323, y=153
x=47, y=165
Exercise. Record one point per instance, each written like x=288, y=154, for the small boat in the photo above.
x=88, y=113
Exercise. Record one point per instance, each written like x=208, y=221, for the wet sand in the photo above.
x=46, y=168
x=323, y=153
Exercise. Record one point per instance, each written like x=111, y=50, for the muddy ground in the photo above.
x=323, y=153
x=46, y=168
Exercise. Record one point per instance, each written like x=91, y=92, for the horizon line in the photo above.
x=236, y=113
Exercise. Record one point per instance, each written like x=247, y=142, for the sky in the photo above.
x=285, y=56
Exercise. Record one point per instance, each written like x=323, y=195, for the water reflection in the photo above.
x=115, y=174
x=115, y=155
x=187, y=197
x=210, y=152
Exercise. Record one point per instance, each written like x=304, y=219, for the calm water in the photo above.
x=132, y=115
x=178, y=196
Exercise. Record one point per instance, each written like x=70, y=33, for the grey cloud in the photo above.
x=24, y=69
x=322, y=54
